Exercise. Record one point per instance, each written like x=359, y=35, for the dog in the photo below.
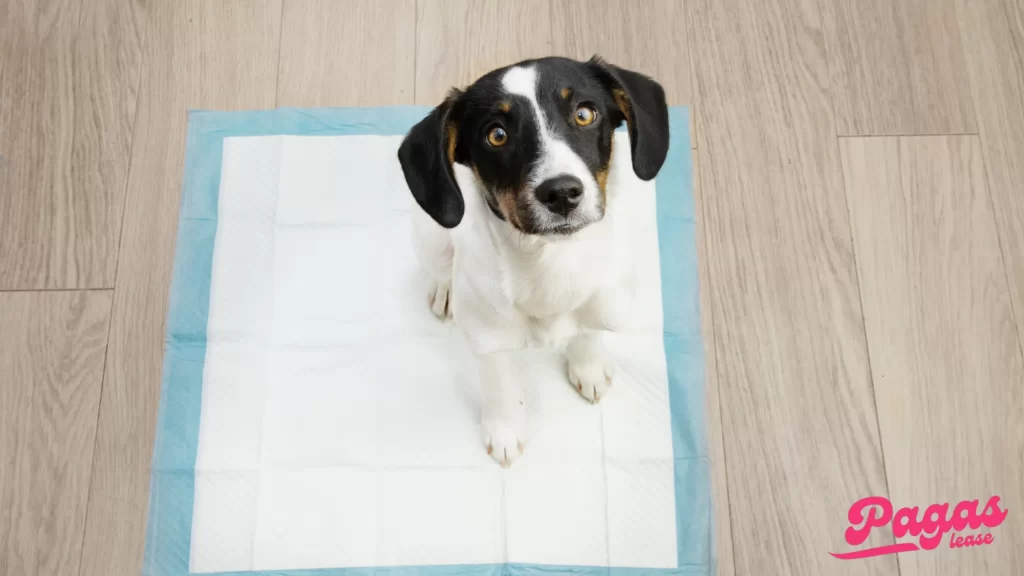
x=517, y=226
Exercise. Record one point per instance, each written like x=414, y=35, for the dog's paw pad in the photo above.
x=504, y=438
x=439, y=298
x=591, y=368
x=592, y=381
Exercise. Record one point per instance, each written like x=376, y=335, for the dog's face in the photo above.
x=540, y=139
x=538, y=135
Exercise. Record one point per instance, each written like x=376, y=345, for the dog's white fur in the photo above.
x=507, y=291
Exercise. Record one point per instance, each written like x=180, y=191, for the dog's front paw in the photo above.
x=504, y=435
x=591, y=367
x=439, y=298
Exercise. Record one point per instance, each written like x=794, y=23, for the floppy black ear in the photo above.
x=642, y=102
x=427, y=154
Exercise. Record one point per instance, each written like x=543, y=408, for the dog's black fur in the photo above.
x=457, y=131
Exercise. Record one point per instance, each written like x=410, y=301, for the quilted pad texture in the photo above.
x=317, y=419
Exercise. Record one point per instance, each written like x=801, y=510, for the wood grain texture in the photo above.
x=214, y=55
x=457, y=41
x=649, y=36
x=994, y=43
x=716, y=446
x=51, y=358
x=944, y=354
x=897, y=67
x=797, y=409
x=351, y=53
x=67, y=102
x=789, y=382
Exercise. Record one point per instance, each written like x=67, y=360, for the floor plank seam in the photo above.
x=699, y=185
x=280, y=39
x=864, y=328
x=1014, y=313
x=988, y=180
x=718, y=381
x=918, y=135
x=131, y=149
x=96, y=435
x=56, y=290
x=856, y=265
x=143, y=60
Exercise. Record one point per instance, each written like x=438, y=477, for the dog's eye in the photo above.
x=497, y=137
x=585, y=116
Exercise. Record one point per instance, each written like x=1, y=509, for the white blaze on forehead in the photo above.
x=522, y=82
x=556, y=157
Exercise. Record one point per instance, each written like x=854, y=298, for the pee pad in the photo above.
x=317, y=420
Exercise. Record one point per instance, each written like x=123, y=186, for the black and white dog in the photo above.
x=518, y=227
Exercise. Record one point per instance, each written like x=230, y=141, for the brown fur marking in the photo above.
x=623, y=101
x=566, y=93
x=504, y=106
x=507, y=206
x=451, y=142
x=602, y=178
x=602, y=175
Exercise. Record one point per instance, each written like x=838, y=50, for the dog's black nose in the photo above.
x=560, y=194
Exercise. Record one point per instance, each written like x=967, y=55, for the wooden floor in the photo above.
x=861, y=190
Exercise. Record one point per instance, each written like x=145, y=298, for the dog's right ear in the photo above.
x=427, y=155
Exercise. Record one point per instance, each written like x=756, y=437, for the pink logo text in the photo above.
x=928, y=527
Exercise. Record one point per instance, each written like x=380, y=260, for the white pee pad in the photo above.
x=337, y=419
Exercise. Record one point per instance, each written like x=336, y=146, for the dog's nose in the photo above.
x=560, y=194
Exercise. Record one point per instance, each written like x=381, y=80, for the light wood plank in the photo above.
x=649, y=36
x=944, y=354
x=994, y=43
x=215, y=55
x=352, y=53
x=897, y=67
x=646, y=35
x=36, y=136
x=51, y=359
x=457, y=41
x=716, y=446
x=67, y=104
x=793, y=377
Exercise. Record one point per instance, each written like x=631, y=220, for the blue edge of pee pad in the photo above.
x=172, y=481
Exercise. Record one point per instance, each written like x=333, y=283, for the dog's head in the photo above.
x=538, y=135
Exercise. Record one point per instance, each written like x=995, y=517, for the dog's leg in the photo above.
x=591, y=365
x=439, y=295
x=503, y=422
x=497, y=333
x=436, y=252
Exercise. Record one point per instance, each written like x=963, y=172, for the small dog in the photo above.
x=518, y=229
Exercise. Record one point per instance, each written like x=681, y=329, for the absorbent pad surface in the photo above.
x=316, y=418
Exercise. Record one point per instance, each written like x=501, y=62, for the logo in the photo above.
x=929, y=528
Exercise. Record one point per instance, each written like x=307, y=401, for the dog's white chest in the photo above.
x=511, y=289
x=558, y=278
x=555, y=281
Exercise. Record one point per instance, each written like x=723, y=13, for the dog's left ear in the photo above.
x=641, y=101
